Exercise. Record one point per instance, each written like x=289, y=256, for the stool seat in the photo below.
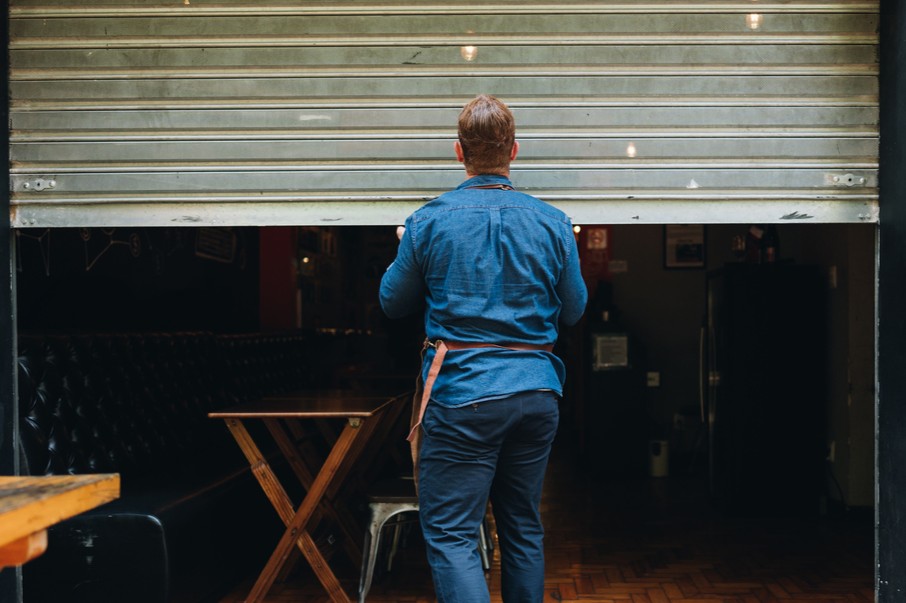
x=394, y=490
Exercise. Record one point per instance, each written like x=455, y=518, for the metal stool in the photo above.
x=388, y=499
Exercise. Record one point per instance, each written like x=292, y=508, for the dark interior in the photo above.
x=793, y=431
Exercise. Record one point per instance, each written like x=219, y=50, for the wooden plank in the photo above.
x=29, y=504
x=308, y=405
x=24, y=549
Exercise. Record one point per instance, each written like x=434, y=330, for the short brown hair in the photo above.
x=487, y=132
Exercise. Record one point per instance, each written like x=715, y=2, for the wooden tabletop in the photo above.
x=31, y=504
x=310, y=405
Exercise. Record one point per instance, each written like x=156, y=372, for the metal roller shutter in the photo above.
x=274, y=112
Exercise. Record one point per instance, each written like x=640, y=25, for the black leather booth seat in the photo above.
x=191, y=518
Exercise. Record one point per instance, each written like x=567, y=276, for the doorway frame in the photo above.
x=890, y=392
x=890, y=385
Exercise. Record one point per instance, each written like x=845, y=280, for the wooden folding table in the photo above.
x=362, y=412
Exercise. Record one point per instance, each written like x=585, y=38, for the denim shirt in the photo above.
x=490, y=266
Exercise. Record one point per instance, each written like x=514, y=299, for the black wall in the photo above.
x=137, y=279
x=891, y=512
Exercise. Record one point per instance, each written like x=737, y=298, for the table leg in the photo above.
x=305, y=477
x=295, y=532
x=367, y=430
x=303, y=474
x=275, y=492
x=262, y=471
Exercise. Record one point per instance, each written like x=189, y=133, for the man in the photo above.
x=496, y=270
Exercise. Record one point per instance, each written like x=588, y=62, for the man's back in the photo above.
x=498, y=267
x=492, y=260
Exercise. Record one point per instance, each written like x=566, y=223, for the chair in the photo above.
x=387, y=499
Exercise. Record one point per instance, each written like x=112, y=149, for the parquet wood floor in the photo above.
x=649, y=541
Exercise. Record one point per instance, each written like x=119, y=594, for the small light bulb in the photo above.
x=577, y=229
x=753, y=21
x=469, y=52
x=630, y=150
x=306, y=260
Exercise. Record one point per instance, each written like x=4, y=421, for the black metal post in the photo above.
x=10, y=578
x=891, y=418
x=8, y=464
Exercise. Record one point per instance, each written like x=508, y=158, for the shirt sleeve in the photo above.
x=403, y=285
x=571, y=288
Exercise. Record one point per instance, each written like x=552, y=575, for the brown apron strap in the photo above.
x=441, y=348
x=423, y=390
x=418, y=411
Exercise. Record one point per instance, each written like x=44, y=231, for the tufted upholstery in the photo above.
x=137, y=404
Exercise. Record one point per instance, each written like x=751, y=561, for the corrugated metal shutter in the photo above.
x=271, y=112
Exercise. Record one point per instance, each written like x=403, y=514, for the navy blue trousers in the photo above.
x=497, y=449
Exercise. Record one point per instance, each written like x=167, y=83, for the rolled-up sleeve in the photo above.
x=403, y=285
x=571, y=287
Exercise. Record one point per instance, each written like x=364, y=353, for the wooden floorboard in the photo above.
x=647, y=540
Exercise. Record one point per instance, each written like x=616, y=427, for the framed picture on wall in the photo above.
x=684, y=246
x=610, y=351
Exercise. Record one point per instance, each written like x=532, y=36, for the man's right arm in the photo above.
x=402, y=286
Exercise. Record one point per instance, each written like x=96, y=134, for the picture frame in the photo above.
x=684, y=246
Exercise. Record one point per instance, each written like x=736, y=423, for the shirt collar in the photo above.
x=484, y=180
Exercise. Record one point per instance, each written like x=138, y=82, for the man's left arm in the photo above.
x=571, y=287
